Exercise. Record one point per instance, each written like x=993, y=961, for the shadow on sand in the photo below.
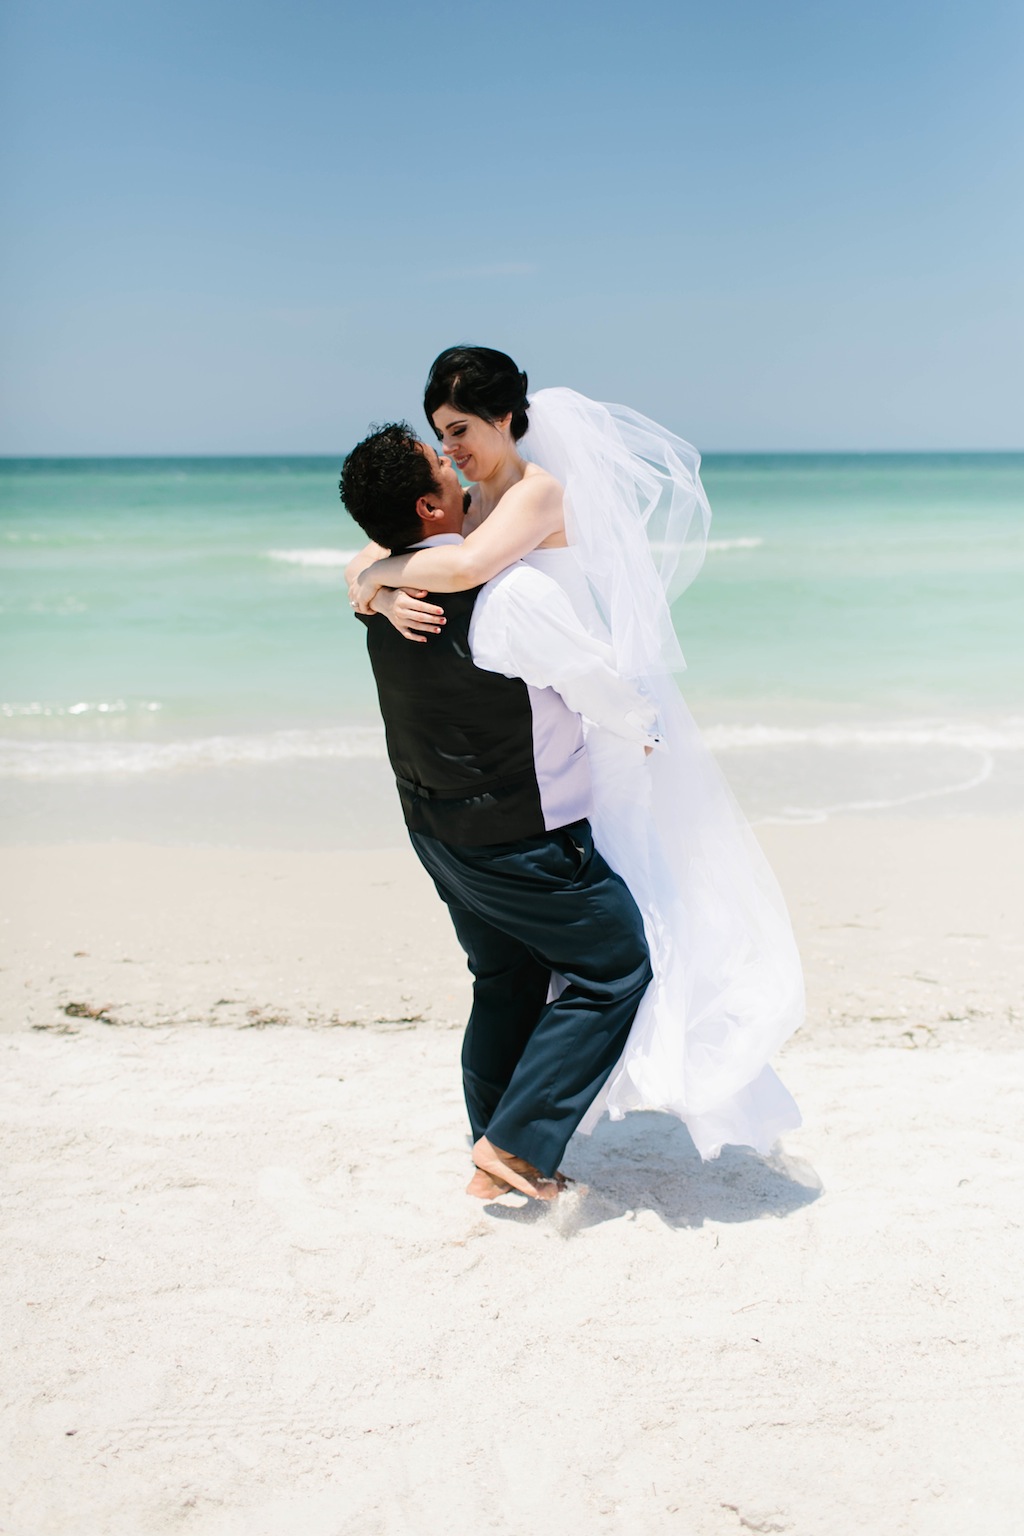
x=647, y=1162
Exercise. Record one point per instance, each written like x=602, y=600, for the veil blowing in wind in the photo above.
x=728, y=984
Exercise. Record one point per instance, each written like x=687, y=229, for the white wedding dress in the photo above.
x=728, y=984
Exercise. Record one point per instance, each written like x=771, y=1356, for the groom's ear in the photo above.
x=427, y=512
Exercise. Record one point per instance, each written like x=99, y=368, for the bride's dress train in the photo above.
x=728, y=984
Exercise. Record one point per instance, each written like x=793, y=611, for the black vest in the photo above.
x=460, y=739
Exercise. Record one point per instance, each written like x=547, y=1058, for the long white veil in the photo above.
x=635, y=511
x=728, y=985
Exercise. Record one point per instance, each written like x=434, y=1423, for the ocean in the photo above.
x=180, y=663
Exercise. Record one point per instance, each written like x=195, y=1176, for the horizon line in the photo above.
x=269, y=454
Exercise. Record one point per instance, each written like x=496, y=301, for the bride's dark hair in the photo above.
x=481, y=382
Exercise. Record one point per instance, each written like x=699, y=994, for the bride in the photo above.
x=610, y=505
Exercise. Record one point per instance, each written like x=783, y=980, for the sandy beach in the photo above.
x=754, y=265
x=244, y=1294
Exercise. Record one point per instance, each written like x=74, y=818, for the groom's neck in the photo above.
x=450, y=523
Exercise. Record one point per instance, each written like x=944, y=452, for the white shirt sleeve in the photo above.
x=524, y=625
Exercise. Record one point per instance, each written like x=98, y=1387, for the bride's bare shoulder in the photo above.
x=539, y=496
x=538, y=489
x=537, y=476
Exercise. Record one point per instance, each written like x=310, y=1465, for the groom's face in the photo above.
x=450, y=495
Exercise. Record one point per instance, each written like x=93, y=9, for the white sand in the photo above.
x=904, y=926
x=243, y=1296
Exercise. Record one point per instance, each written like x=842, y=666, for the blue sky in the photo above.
x=249, y=227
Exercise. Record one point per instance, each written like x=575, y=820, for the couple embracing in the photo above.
x=629, y=946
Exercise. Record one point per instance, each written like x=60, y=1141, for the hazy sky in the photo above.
x=241, y=226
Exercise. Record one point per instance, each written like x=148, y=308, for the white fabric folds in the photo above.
x=728, y=984
x=635, y=512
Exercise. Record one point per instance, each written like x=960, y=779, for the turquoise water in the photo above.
x=891, y=582
x=161, y=615
x=142, y=583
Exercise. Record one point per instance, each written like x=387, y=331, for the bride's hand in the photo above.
x=412, y=617
x=362, y=590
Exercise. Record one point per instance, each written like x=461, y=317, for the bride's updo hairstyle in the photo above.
x=480, y=382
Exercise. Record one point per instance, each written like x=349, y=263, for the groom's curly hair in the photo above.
x=381, y=481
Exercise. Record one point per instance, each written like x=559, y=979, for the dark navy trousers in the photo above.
x=522, y=910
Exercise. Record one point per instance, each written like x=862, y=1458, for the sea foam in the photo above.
x=83, y=759
x=77, y=759
x=320, y=557
x=974, y=736
x=43, y=709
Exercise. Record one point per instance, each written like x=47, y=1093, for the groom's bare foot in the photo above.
x=484, y=1186
x=503, y=1168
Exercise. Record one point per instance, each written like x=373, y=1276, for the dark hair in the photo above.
x=481, y=382
x=381, y=481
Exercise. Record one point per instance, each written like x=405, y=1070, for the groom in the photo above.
x=485, y=738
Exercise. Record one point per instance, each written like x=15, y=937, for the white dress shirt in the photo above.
x=524, y=625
